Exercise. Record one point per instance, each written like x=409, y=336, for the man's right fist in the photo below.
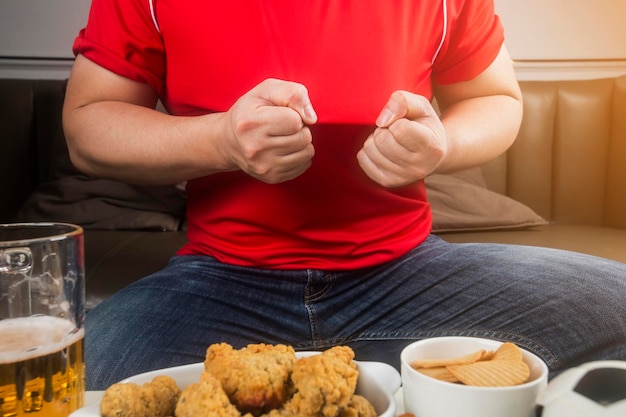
x=270, y=137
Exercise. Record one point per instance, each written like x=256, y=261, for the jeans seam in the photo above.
x=530, y=344
x=310, y=308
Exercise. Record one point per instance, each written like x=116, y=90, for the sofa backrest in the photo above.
x=40, y=183
x=569, y=160
x=568, y=163
x=32, y=144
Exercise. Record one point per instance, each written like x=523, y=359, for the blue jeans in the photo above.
x=565, y=307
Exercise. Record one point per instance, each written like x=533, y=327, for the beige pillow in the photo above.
x=462, y=202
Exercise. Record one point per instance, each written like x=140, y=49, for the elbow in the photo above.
x=78, y=160
x=516, y=116
x=73, y=135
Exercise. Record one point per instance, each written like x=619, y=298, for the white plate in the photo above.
x=378, y=382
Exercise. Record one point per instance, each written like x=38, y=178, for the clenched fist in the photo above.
x=270, y=139
x=408, y=144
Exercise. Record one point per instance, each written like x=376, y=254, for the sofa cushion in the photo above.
x=462, y=202
x=115, y=259
x=100, y=204
x=599, y=241
x=45, y=184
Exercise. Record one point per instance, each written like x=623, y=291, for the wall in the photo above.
x=547, y=38
x=562, y=39
x=36, y=36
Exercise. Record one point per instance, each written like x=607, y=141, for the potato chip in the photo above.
x=493, y=373
x=508, y=351
x=489, y=355
x=460, y=360
x=441, y=373
x=503, y=367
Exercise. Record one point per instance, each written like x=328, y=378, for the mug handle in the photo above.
x=15, y=260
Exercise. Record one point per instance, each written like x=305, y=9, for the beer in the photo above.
x=41, y=367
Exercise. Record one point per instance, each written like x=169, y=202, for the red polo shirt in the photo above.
x=201, y=56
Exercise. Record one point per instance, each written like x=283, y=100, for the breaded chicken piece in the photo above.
x=157, y=398
x=255, y=378
x=359, y=406
x=205, y=398
x=324, y=383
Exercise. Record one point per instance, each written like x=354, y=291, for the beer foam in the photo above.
x=25, y=338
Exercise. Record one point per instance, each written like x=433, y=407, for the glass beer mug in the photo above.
x=42, y=313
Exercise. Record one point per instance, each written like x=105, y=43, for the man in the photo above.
x=304, y=132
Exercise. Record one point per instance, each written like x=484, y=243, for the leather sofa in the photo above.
x=568, y=164
x=561, y=185
x=130, y=231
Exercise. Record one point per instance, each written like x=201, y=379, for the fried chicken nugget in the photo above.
x=205, y=398
x=157, y=398
x=255, y=378
x=358, y=406
x=324, y=384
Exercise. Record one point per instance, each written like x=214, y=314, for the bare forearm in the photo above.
x=136, y=144
x=481, y=117
x=475, y=135
x=113, y=131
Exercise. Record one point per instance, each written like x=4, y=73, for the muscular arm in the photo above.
x=479, y=121
x=481, y=117
x=113, y=131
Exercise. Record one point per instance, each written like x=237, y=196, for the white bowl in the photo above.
x=377, y=382
x=428, y=397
